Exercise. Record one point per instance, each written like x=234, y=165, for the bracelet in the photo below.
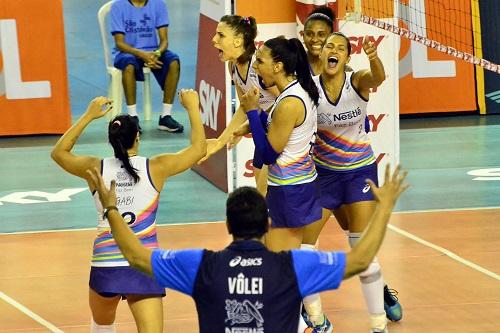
x=157, y=52
x=107, y=210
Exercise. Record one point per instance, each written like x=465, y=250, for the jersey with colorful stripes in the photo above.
x=294, y=165
x=136, y=202
x=342, y=142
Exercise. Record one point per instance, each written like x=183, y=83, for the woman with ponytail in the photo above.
x=284, y=139
x=235, y=41
x=139, y=181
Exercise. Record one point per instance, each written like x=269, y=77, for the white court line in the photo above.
x=188, y=223
x=445, y=210
x=30, y=313
x=445, y=252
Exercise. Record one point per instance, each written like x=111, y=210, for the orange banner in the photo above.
x=34, y=95
x=432, y=81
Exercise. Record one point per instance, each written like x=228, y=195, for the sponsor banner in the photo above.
x=214, y=88
x=383, y=103
x=421, y=67
x=491, y=50
x=34, y=95
x=266, y=11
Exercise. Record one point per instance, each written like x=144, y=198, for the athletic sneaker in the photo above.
x=326, y=327
x=305, y=316
x=393, y=309
x=169, y=124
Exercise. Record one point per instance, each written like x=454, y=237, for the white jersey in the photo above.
x=342, y=142
x=136, y=202
x=295, y=165
x=266, y=99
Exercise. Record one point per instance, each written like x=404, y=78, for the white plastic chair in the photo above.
x=115, y=90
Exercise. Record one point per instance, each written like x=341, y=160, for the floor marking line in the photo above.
x=51, y=327
x=445, y=252
x=212, y=222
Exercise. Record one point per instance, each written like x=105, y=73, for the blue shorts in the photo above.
x=346, y=187
x=121, y=281
x=122, y=60
x=293, y=206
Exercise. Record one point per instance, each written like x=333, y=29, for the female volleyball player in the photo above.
x=139, y=183
x=292, y=195
x=318, y=26
x=344, y=157
x=235, y=41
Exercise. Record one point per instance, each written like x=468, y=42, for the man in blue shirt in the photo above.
x=140, y=30
x=246, y=287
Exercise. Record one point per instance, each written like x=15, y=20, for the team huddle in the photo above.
x=310, y=163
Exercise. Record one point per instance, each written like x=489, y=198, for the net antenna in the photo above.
x=450, y=27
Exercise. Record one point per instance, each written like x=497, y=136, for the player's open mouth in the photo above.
x=332, y=62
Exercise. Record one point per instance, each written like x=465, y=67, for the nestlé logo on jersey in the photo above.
x=347, y=115
x=245, y=262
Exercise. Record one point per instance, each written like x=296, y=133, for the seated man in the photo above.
x=246, y=287
x=140, y=30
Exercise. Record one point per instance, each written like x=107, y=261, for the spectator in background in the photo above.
x=140, y=31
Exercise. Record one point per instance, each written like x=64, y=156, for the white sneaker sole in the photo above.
x=168, y=129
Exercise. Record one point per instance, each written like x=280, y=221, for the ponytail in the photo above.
x=303, y=71
x=122, y=132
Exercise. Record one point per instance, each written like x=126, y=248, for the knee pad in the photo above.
x=95, y=328
x=372, y=273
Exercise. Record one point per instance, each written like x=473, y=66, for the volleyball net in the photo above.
x=449, y=26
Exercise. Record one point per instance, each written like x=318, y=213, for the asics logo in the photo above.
x=366, y=188
x=244, y=262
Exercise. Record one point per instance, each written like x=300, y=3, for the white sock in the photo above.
x=95, y=328
x=132, y=110
x=312, y=303
x=378, y=322
x=372, y=283
x=167, y=110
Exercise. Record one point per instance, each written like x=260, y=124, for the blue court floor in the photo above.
x=35, y=194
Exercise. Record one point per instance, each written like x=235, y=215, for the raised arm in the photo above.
x=166, y=165
x=214, y=145
x=367, y=247
x=61, y=153
x=138, y=256
x=365, y=79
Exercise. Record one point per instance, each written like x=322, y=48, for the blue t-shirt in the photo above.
x=139, y=24
x=247, y=286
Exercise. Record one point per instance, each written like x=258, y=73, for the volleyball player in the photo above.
x=235, y=41
x=139, y=183
x=344, y=157
x=292, y=194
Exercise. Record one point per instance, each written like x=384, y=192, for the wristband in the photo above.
x=157, y=52
x=107, y=210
